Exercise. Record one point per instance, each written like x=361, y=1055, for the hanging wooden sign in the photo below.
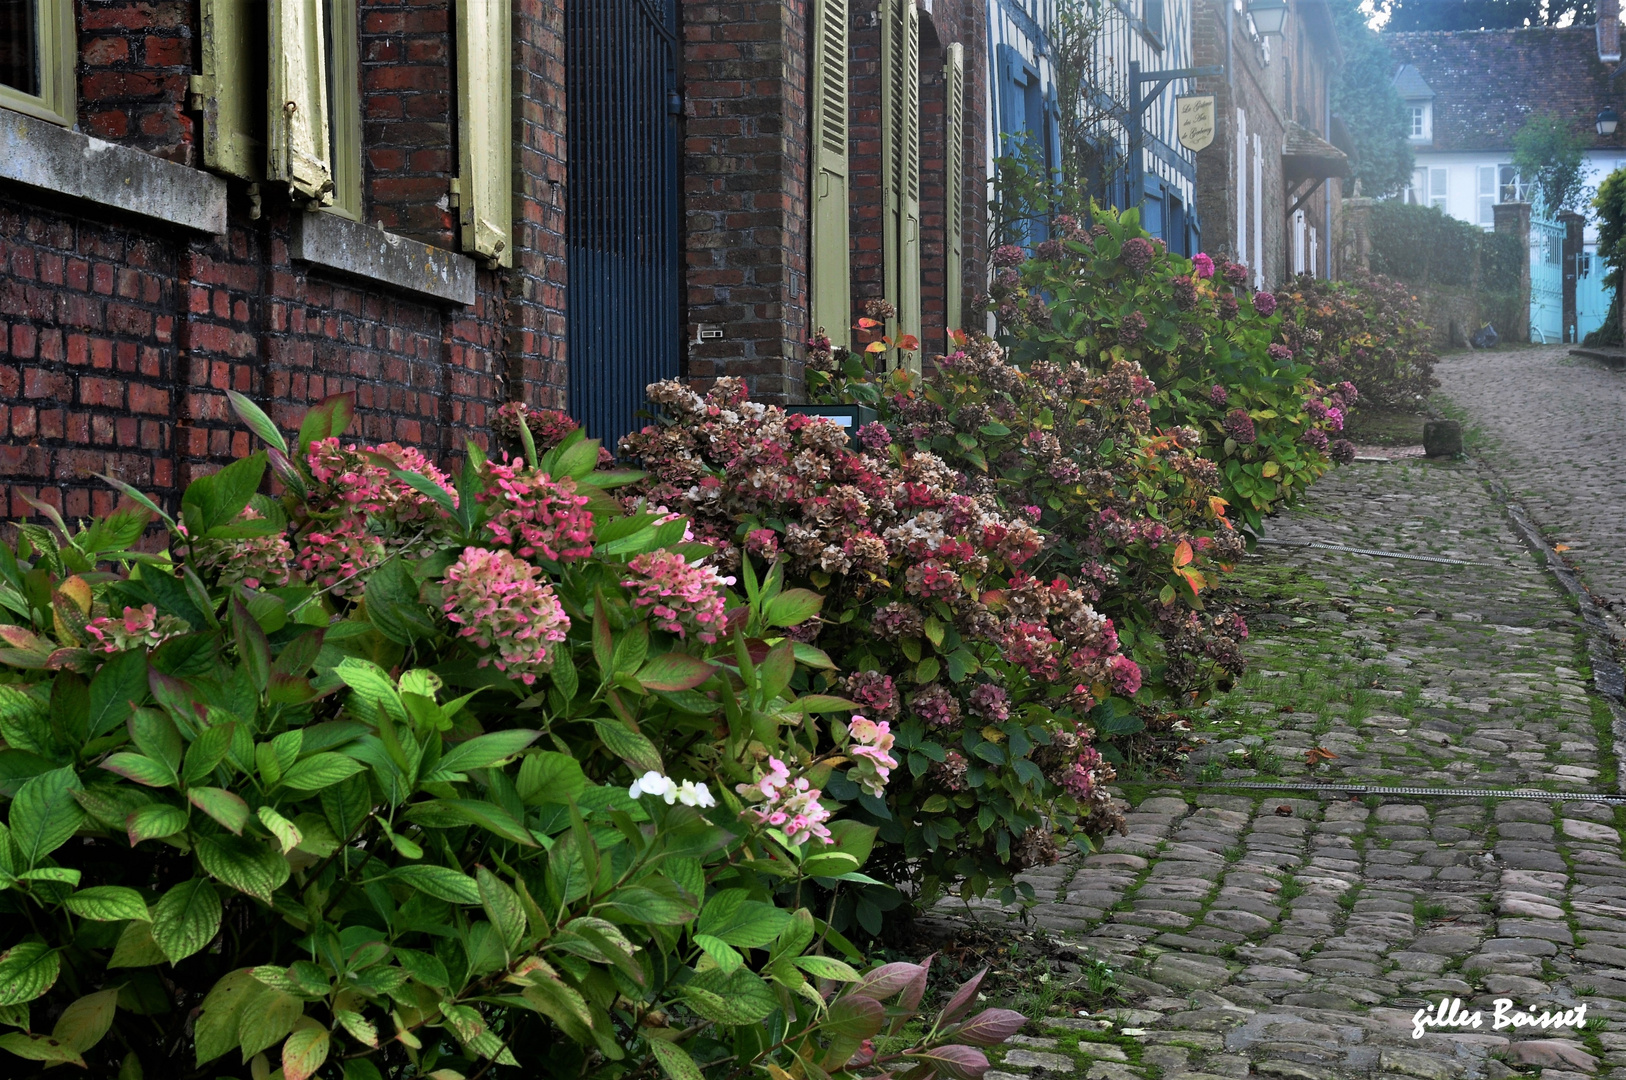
x=1195, y=116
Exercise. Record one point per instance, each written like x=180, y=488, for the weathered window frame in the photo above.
x=344, y=106
x=58, y=45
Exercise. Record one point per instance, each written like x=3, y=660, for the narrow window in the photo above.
x=1417, y=121
x=38, y=53
x=1437, y=187
x=832, y=288
x=1487, y=194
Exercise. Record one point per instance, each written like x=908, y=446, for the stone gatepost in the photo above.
x=1574, y=237
x=1515, y=218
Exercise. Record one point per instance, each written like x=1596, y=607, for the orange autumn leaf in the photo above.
x=876, y=346
x=1218, y=505
x=909, y=341
x=1182, y=554
x=867, y=324
x=1561, y=547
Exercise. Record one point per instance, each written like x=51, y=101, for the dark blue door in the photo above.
x=624, y=325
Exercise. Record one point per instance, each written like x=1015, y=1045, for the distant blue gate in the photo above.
x=1592, y=297
x=1546, y=280
x=622, y=305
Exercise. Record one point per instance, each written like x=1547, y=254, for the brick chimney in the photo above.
x=1609, y=31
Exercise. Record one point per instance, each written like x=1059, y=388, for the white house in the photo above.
x=1469, y=92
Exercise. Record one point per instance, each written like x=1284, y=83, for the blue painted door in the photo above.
x=624, y=323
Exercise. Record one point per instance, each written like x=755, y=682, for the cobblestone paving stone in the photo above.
x=1568, y=471
x=1284, y=935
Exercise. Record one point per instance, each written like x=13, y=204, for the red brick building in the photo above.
x=445, y=208
x=1269, y=183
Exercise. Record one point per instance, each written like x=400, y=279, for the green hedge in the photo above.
x=1422, y=246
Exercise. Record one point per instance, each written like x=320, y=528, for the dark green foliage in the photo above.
x=1365, y=99
x=1547, y=152
x=1406, y=16
x=1422, y=246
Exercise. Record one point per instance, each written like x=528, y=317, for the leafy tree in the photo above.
x=1547, y=155
x=1402, y=16
x=1365, y=98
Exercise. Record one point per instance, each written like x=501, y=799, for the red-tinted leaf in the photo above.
x=674, y=671
x=909, y=341
x=991, y=1027
x=875, y=347
x=956, y=1062
x=855, y=1017
x=962, y=999
x=868, y=324
x=888, y=979
x=910, y=998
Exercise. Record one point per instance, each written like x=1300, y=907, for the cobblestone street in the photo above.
x=1566, y=470
x=1292, y=934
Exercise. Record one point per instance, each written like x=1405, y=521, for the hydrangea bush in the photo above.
x=1110, y=293
x=414, y=774
x=1131, y=515
x=932, y=610
x=1367, y=333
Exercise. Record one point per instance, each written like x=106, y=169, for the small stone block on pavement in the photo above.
x=1442, y=438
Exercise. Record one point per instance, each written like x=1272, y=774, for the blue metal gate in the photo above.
x=1546, y=280
x=1592, y=297
x=624, y=328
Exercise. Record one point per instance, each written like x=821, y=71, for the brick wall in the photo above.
x=745, y=176
x=407, y=110
x=134, y=60
x=118, y=340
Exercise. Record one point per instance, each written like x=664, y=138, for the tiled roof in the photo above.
x=1487, y=82
x=1306, y=154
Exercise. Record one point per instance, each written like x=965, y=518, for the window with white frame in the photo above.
x=38, y=54
x=1437, y=178
x=1509, y=188
x=1422, y=123
x=1487, y=195
x=1416, y=192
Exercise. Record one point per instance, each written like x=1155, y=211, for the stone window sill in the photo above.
x=361, y=251
x=39, y=154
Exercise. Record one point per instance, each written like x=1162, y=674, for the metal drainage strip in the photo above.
x=1366, y=551
x=1452, y=793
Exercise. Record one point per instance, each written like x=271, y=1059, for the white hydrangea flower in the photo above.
x=653, y=783
x=693, y=794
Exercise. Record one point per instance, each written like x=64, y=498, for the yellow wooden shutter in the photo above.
x=908, y=297
x=485, y=200
x=953, y=186
x=832, y=281
x=225, y=92
x=297, y=108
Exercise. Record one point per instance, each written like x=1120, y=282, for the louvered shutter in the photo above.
x=485, y=201
x=892, y=106
x=297, y=109
x=225, y=93
x=832, y=281
x=909, y=173
x=953, y=185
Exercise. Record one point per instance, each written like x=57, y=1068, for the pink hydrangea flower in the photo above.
x=336, y=557
x=1203, y=265
x=790, y=805
x=874, y=764
x=137, y=628
x=499, y=603
x=681, y=598
x=1125, y=674
x=537, y=515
